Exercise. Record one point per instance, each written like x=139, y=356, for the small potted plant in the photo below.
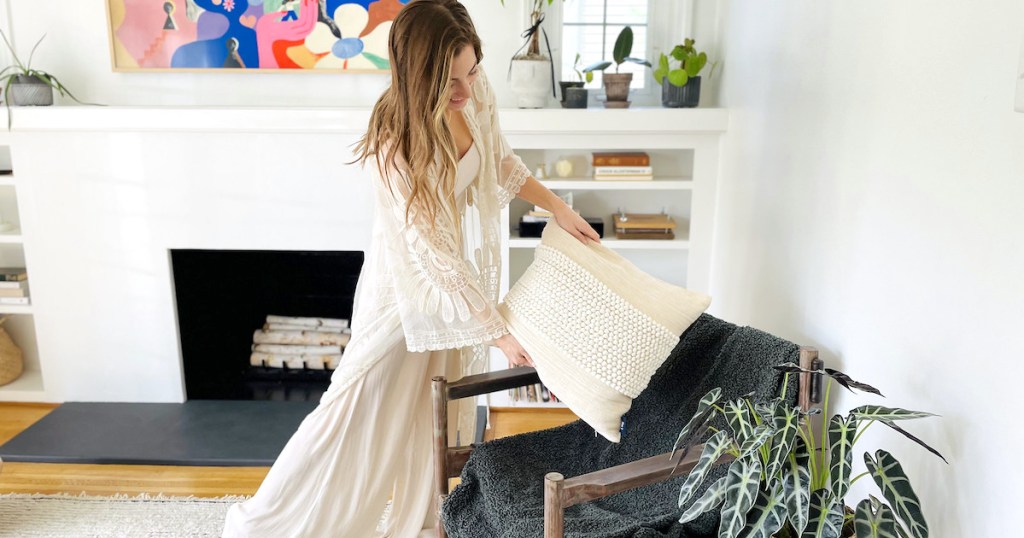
x=574, y=95
x=531, y=73
x=680, y=85
x=22, y=85
x=616, y=85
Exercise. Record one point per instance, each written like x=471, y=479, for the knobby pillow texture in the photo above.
x=595, y=325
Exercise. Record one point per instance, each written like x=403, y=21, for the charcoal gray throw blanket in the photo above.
x=502, y=489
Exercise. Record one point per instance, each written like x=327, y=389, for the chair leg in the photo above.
x=554, y=514
x=439, y=387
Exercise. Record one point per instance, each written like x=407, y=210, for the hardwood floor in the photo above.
x=174, y=480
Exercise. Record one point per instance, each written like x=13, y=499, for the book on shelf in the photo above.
x=13, y=292
x=621, y=158
x=13, y=274
x=14, y=285
x=624, y=170
x=623, y=177
x=15, y=300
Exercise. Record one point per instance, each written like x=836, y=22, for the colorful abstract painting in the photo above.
x=309, y=35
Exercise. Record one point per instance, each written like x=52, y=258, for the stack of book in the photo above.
x=619, y=166
x=300, y=343
x=14, y=286
x=644, y=226
x=536, y=393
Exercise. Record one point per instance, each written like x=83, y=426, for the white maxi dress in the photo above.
x=425, y=306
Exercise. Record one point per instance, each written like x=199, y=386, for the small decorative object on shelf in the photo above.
x=23, y=85
x=680, y=87
x=563, y=168
x=644, y=226
x=14, y=286
x=616, y=85
x=541, y=172
x=11, y=362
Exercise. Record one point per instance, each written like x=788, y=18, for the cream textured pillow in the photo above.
x=596, y=326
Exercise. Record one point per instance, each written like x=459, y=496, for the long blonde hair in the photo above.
x=408, y=120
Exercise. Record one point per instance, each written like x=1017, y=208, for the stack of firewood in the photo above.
x=297, y=343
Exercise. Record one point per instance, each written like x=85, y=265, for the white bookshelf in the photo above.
x=683, y=146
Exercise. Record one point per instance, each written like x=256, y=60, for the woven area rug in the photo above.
x=33, y=516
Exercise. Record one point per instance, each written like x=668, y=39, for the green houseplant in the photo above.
x=616, y=85
x=23, y=85
x=680, y=83
x=786, y=482
x=574, y=95
x=531, y=73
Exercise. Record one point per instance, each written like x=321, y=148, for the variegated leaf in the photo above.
x=841, y=432
x=873, y=519
x=896, y=488
x=796, y=482
x=713, y=449
x=767, y=515
x=738, y=416
x=794, y=368
x=741, y=487
x=910, y=436
x=878, y=412
x=705, y=408
x=849, y=383
x=786, y=421
x=758, y=437
x=825, y=517
x=766, y=411
x=712, y=497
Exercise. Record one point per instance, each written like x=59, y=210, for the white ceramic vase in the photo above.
x=531, y=82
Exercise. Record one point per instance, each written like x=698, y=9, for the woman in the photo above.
x=425, y=303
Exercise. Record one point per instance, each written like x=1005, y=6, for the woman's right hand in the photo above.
x=517, y=356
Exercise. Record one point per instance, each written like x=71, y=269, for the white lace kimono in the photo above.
x=425, y=305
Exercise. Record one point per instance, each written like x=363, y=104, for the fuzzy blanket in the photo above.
x=502, y=489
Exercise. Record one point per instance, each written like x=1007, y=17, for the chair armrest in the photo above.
x=475, y=385
x=635, y=474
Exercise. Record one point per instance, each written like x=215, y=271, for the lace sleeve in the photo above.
x=512, y=173
x=439, y=298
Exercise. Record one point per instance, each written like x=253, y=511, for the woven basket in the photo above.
x=11, y=363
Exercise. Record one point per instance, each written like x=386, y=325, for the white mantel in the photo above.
x=105, y=192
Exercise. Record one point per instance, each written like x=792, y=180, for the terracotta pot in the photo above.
x=616, y=88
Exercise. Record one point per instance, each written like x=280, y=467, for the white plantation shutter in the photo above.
x=590, y=28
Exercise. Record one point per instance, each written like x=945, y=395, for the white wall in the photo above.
x=871, y=206
x=77, y=50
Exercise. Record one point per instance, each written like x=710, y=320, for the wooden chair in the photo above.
x=560, y=492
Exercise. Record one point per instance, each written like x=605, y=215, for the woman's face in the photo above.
x=464, y=73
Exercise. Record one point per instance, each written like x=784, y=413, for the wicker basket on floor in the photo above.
x=11, y=362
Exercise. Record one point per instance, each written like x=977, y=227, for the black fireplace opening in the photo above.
x=224, y=296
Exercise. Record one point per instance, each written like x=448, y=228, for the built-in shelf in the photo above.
x=613, y=243
x=540, y=405
x=7, y=180
x=666, y=184
x=15, y=309
x=27, y=388
x=13, y=236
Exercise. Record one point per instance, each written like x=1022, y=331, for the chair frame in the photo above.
x=560, y=492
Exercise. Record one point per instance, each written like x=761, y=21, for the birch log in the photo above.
x=304, y=338
x=280, y=349
x=309, y=322
x=285, y=327
x=296, y=362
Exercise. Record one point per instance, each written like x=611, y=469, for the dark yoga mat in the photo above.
x=197, y=432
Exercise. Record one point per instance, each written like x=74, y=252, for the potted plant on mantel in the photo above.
x=531, y=74
x=616, y=85
x=574, y=95
x=680, y=86
x=781, y=483
x=24, y=86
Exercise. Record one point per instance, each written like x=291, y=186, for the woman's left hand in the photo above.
x=571, y=222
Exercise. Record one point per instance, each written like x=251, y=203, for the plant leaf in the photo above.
x=33, y=53
x=741, y=488
x=679, y=53
x=792, y=368
x=878, y=412
x=713, y=450
x=599, y=66
x=914, y=439
x=705, y=407
x=759, y=436
x=678, y=77
x=767, y=515
x=849, y=383
x=796, y=482
x=873, y=519
x=695, y=62
x=825, y=517
x=623, y=45
x=737, y=415
x=786, y=421
x=712, y=497
x=841, y=433
x=896, y=488
x=640, y=61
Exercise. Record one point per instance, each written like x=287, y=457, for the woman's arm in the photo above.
x=536, y=193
